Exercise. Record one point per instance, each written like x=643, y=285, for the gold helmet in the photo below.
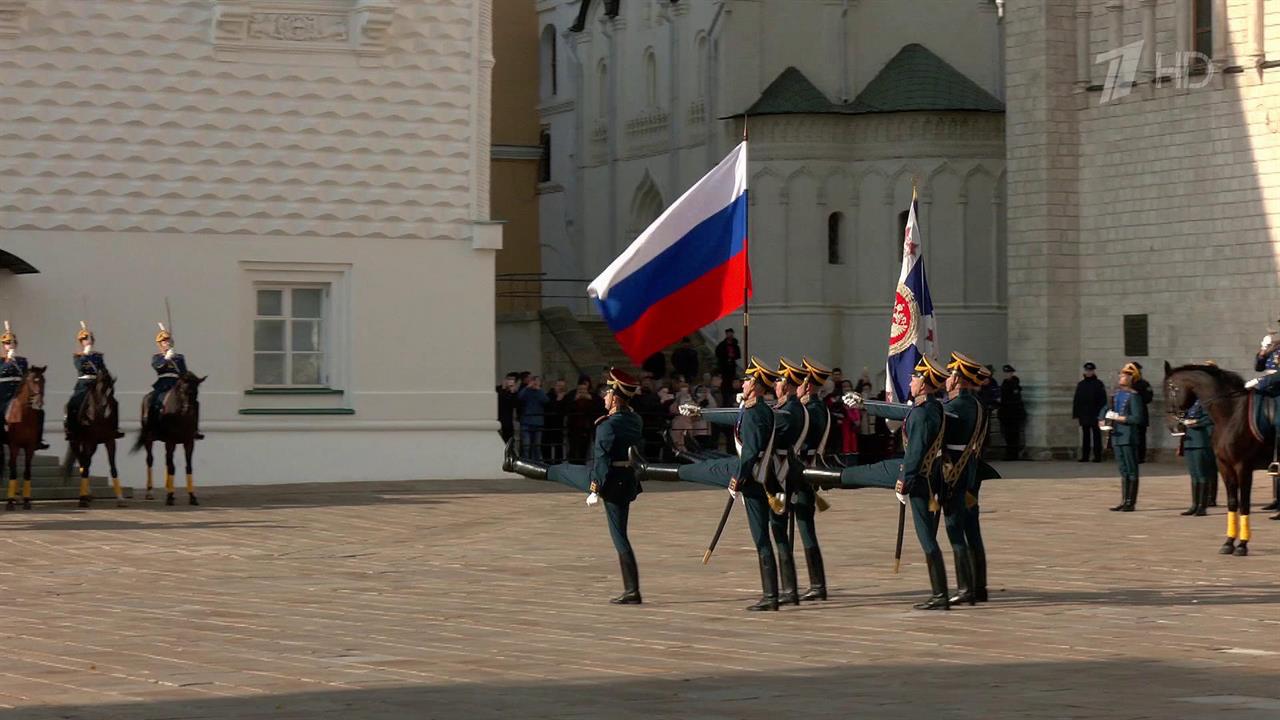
x=791, y=371
x=84, y=333
x=622, y=383
x=8, y=338
x=928, y=370
x=163, y=335
x=757, y=370
x=967, y=368
x=817, y=372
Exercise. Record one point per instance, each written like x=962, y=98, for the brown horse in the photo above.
x=98, y=424
x=1237, y=442
x=23, y=420
x=175, y=425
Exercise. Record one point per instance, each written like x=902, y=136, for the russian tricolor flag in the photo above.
x=912, y=331
x=687, y=270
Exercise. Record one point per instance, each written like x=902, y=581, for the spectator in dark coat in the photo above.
x=649, y=406
x=1143, y=388
x=1012, y=414
x=684, y=360
x=533, y=408
x=728, y=354
x=656, y=365
x=1090, y=399
x=507, y=406
x=581, y=420
x=553, y=430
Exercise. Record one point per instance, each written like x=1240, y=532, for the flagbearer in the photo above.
x=1126, y=417
x=608, y=475
x=745, y=474
x=805, y=501
x=13, y=369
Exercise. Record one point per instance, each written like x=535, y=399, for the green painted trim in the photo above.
x=292, y=391
x=297, y=411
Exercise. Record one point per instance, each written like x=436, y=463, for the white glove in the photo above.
x=88, y=349
x=1266, y=341
x=690, y=410
x=593, y=500
x=168, y=354
x=733, y=493
x=1251, y=384
x=1112, y=415
x=901, y=498
x=11, y=353
x=852, y=399
x=737, y=399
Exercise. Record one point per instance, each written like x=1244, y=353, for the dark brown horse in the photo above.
x=22, y=420
x=175, y=425
x=97, y=425
x=1237, y=442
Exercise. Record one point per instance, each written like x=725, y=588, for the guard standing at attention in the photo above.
x=1126, y=417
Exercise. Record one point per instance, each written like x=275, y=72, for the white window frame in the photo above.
x=288, y=318
x=335, y=279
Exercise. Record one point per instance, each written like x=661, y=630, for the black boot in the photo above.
x=787, y=575
x=1275, y=495
x=1124, y=495
x=1132, y=502
x=630, y=580
x=1213, y=493
x=938, y=583
x=979, y=558
x=1196, y=494
x=648, y=471
x=823, y=478
x=817, y=575
x=40, y=443
x=964, y=578
x=768, y=581
x=1206, y=493
x=514, y=464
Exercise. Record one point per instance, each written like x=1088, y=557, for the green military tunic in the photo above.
x=1197, y=447
x=609, y=473
x=1125, y=436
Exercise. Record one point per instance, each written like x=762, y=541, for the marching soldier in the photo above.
x=746, y=474
x=804, y=500
x=966, y=432
x=13, y=368
x=607, y=476
x=1197, y=451
x=792, y=429
x=169, y=366
x=1127, y=415
x=89, y=365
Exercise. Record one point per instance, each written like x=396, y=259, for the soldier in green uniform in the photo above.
x=745, y=474
x=804, y=499
x=791, y=430
x=607, y=476
x=1202, y=464
x=965, y=435
x=1126, y=417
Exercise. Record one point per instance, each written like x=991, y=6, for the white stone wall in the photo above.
x=619, y=152
x=188, y=149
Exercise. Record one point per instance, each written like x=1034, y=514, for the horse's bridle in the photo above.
x=1181, y=415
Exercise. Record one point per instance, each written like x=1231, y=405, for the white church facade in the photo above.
x=848, y=108
x=307, y=186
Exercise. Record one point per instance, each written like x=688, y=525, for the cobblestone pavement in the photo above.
x=487, y=599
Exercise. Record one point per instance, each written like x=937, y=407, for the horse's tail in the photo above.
x=142, y=432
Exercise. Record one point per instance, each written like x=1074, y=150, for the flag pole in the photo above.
x=746, y=343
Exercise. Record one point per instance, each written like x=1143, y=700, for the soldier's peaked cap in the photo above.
x=817, y=372
x=967, y=368
x=8, y=337
x=623, y=383
x=759, y=371
x=928, y=369
x=794, y=372
x=1134, y=370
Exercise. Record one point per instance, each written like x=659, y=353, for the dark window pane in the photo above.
x=271, y=302
x=306, y=369
x=307, y=302
x=1135, y=336
x=268, y=369
x=268, y=335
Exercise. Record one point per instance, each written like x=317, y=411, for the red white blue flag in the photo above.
x=912, y=332
x=687, y=270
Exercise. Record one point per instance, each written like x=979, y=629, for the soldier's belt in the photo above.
x=168, y=375
x=87, y=377
x=10, y=379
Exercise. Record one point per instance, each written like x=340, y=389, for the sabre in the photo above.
x=168, y=314
x=724, y=518
x=902, y=524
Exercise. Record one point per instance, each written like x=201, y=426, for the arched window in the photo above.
x=703, y=55
x=835, y=238
x=602, y=89
x=651, y=77
x=550, y=73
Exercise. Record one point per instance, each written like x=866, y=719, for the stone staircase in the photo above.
x=574, y=345
x=47, y=482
